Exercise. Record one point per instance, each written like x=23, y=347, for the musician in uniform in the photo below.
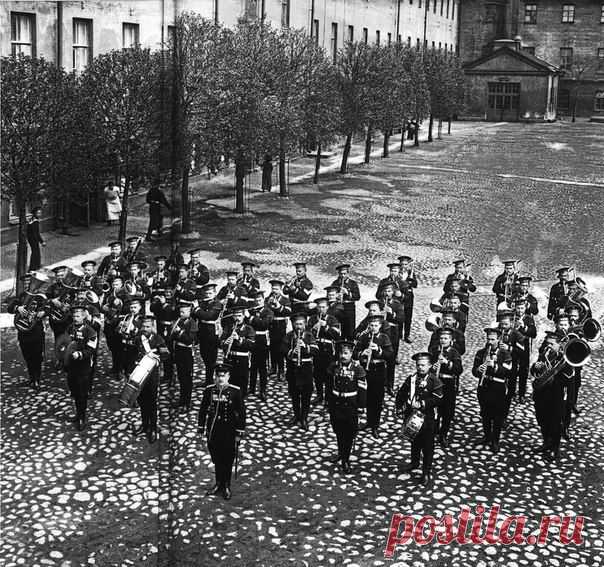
x=237, y=342
x=335, y=307
x=326, y=330
x=393, y=278
x=506, y=283
x=526, y=332
x=34, y=239
x=524, y=294
x=182, y=339
x=260, y=319
x=394, y=325
x=460, y=274
x=299, y=347
x=299, y=288
x=492, y=366
x=232, y=293
x=136, y=283
x=346, y=392
x=280, y=305
x=175, y=258
x=208, y=315
x=30, y=310
x=455, y=288
x=197, y=271
x=165, y=309
x=60, y=298
x=374, y=350
x=129, y=326
x=185, y=286
x=448, y=367
x=454, y=301
x=512, y=341
x=89, y=299
x=563, y=328
x=222, y=417
x=449, y=321
x=575, y=316
x=407, y=274
x=161, y=277
x=112, y=308
x=132, y=254
x=149, y=342
x=350, y=294
x=421, y=392
x=114, y=263
x=549, y=398
x=558, y=293
x=91, y=281
x=78, y=361
x=247, y=280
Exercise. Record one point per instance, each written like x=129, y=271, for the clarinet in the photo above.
x=369, y=356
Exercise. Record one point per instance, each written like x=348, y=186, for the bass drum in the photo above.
x=137, y=380
x=413, y=425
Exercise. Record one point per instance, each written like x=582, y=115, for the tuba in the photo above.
x=433, y=323
x=40, y=282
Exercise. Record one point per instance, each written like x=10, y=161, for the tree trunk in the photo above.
x=368, y=144
x=416, y=136
x=386, y=152
x=239, y=178
x=430, y=125
x=185, y=200
x=347, y=145
x=574, y=108
x=282, y=179
x=449, y=126
x=124, y=214
x=404, y=129
x=21, y=267
x=439, y=131
x=315, y=179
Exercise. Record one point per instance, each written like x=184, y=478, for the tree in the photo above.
x=31, y=105
x=123, y=89
x=353, y=65
x=195, y=51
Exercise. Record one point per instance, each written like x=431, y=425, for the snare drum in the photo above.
x=413, y=425
x=137, y=380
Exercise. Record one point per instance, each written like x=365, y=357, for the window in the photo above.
x=410, y=2
x=503, y=96
x=600, y=59
x=568, y=13
x=365, y=35
x=602, y=14
x=351, y=34
x=529, y=49
x=129, y=35
x=284, y=13
x=377, y=37
x=433, y=46
x=420, y=4
x=315, y=31
x=566, y=57
x=409, y=41
x=453, y=10
x=389, y=38
x=334, y=41
x=171, y=35
x=417, y=45
x=23, y=34
x=530, y=13
x=448, y=5
x=440, y=46
x=442, y=7
x=82, y=44
x=599, y=101
x=434, y=6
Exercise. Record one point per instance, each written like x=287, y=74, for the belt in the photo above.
x=501, y=380
x=280, y=318
x=344, y=394
x=348, y=302
x=377, y=362
x=325, y=340
x=264, y=333
x=302, y=360
x=167, y=322
x=183, y=345
x=207, y=322
x=446, y=376
x=237, y=353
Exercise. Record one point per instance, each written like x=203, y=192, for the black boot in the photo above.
x=216, y=489
x=409, y=466
x=226, y=493
x=425, y=479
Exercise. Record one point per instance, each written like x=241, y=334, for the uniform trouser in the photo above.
x=183, y=356
x=391, y=367
x=32, y=348
x=35, y=261
x=222, y=450
x=129, y=356
x=147, y=401
x=549, y=412
x=408, y=307
x=423, y=443
x=523, y=372
x=240, y=373
x=578, y=378
x=299, y=381
x=163, y=331
x=376, y=382
x=114, y=344
x=78, y=379
x=446, y=410
x=344, y=421
x=492, y=410
x=277, y=357
x=320, y=365
x=349, y=321
x=569, y=400
x=259, y=361
x=208, y=349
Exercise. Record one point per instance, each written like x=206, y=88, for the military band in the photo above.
x=153, y=318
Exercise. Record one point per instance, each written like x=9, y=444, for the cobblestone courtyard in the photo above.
x=101, y=497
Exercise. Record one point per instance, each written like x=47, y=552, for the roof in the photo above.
x=524, y=57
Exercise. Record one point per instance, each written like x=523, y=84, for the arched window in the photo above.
x=599, y=101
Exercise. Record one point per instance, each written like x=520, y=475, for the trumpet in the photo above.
x=125, y=327
x=297, y=349
x=433, y=323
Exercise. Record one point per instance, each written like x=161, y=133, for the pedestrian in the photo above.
x=34, y=238
x=113, y=204
x=155, y=199
x=267, y=173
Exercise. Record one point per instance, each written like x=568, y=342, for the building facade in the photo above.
x=568, y=34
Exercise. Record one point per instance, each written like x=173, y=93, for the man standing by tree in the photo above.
x=34, y=238
x=155, y=199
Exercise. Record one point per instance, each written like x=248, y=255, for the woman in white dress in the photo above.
x=112, y=202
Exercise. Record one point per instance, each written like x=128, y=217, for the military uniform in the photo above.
x=393, y=326
x=222, y=416
x=298, y=290
x=280, y=305
x=207, y=316
x=514, y=342
x=346, y=393
x=239, y=353
x=113, y=265
x=466, y=283
x=459, y=341
x=260, y=320
x=407, y=299
x=128, y=328
x=491, y=391
x=525, y=333
x=166, y=314
x=182, y=339
x=376, y=374
x=350, y=295
x=557, y=299
x=326, y=330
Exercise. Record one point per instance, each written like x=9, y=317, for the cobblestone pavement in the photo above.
x=101, y=497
